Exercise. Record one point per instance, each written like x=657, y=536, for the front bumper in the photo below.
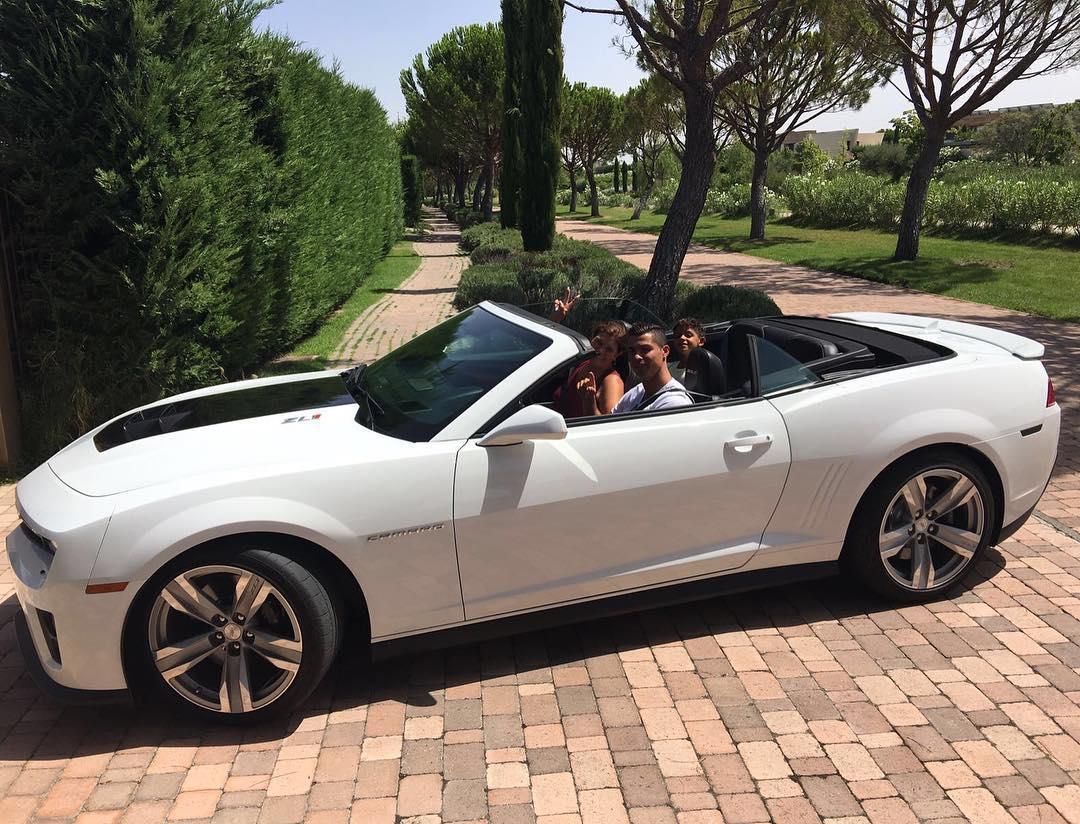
x=44, y=681
x=72, y=637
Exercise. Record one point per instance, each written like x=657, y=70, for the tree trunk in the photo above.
x=478, y=190
x=907, y=241
x=438, y=191
x=461, y=182
x=573, y=189
x=758, y=210
x=698, y=161
x=489, y=175
x=642, y=200
x=591, y=177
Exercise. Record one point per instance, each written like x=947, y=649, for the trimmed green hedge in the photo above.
x=500, y=271
x=181, y=199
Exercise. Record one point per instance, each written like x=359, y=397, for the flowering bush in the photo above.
x=974, y=203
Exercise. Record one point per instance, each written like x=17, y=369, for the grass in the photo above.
x=312, y=353
x=1036, y=275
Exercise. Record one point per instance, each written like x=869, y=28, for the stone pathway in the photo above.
x=416, y=305
x=798, y=704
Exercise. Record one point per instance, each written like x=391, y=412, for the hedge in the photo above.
x=180, y=198
x=972, y=203
x=537, y=278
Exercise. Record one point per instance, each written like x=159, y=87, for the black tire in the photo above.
x=863, y=546
x=314, y=613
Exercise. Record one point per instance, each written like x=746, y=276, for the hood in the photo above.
x=235, y=427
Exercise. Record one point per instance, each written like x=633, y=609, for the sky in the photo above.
x=373, y=40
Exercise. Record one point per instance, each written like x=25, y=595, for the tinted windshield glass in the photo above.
x=422, y=386
x=777, y=369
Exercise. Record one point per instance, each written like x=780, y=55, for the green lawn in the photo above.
x=1041, y=276
x=312, y=353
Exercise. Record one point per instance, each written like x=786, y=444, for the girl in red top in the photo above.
x=608, y=337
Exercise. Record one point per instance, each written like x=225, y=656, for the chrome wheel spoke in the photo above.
x=960, y=541
x=185, y=597
x=173, y=661
x=922, y=566
x=248, y=658
x=914, y=493
x=281, y=652
x=912, y=538
x=235, y=690
x=892, y=542
x=957, y=495
x=251, y=593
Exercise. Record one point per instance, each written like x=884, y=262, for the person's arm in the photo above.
x=611, y=392
x=563, y=307
x=586, y=387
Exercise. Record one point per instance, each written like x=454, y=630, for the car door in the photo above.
x=624, y=502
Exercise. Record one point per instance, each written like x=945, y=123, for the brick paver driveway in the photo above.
x=795, y=704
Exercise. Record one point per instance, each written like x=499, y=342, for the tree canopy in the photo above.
x=455, y=94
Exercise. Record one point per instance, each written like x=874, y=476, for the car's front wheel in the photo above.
x=922, y=526
x=236, y=636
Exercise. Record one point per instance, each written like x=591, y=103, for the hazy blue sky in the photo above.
x=373, y=40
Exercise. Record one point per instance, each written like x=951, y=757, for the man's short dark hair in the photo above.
x=692, y=324
x=644, y=327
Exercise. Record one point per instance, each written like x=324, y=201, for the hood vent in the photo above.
x=224, y=407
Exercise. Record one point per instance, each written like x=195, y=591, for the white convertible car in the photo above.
x=207, y=551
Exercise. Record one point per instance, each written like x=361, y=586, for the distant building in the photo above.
x=984, y=117
x=842, y=141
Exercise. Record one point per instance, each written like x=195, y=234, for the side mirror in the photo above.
x=533, y=423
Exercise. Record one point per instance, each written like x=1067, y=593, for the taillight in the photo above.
x=1049, y=392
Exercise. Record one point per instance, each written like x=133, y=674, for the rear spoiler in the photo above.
x=1021, y=347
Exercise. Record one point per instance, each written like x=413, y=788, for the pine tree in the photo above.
x=512, y=159
x=541, y=109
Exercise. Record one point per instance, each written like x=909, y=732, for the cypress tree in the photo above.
x=615, y=177
x=512, y=160
x=625, y=172
x=541, y=111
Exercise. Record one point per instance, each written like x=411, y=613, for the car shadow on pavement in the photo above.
x=34, y=728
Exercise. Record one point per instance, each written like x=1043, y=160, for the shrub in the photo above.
x=967, y=202
x=536, y=279
x=184, y=198
x=720, y=302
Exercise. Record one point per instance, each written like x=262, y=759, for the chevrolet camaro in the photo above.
x=208, y=551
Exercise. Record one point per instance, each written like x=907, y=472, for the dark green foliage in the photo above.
x=513, y=161
x=412, y=184
x=182, y=199
x=502, y=272
x=721, y=302
x=885, y=160
x=541, y=108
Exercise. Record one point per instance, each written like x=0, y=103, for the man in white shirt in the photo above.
x=648, y=350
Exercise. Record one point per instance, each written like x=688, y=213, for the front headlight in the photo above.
x=34, y=536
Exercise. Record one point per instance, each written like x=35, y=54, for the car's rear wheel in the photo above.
x=235, y=637
x=922, y=526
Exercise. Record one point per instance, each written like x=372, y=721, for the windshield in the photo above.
x=419, y=388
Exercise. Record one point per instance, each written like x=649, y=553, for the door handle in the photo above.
x=749, y=440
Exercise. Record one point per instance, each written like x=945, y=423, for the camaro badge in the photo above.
x=403, y=532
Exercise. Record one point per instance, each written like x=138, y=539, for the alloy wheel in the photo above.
x=225, y=639
x=932, y=529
